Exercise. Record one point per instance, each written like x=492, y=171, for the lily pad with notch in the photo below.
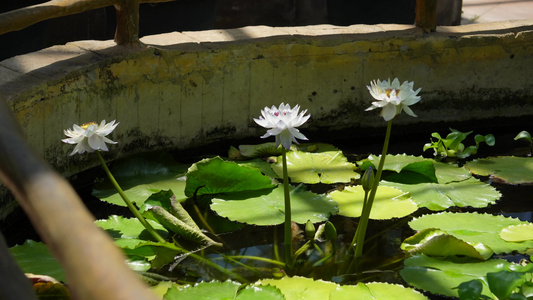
x=267, y=207
x=326, y=164
x=504, y=169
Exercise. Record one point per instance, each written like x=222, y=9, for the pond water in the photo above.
x=383, y=257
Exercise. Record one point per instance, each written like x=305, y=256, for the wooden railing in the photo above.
x=127, y=11
x=127, y=31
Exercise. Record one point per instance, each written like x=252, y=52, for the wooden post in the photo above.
x=426, y=15
x=127, y=32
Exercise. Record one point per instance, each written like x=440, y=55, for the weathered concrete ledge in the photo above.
x=192, y=88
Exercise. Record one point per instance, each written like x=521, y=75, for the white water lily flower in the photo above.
x=90, y=137
x=282, y=123
x=393, y=97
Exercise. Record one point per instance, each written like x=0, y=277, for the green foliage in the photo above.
x=437, y=243
x=504, y=284
x=452, y=145
x=142, y=176
x=223, y=290
x=474, y=228
x=406, y=168
x=266, y=207
x=436, y=196
x=214, y=176
x=504, y=169
x=389, y=202
x=35, y=257
x=517, y=233
x=444, y=276
x=326, y=164
x=296, y=288
x=524, y=135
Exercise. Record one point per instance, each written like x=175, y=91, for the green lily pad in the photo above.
x=223, y=290
x=216, y=176
x=388, y=203
x=517, y=233
x=140, y=177
x=435, y=242
x=129, y=232
x=35, y=257
x=447, y=173
x=296, y=288
x=436, y=196
x=407, y=168
x=440, y=276
x=260, y=165
x=262, y=150
x=504, y=169
x=326, y=165
x=375, y=290
x=474, y=228
x=268, y=207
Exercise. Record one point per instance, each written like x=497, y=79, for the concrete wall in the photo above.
x=192, y=88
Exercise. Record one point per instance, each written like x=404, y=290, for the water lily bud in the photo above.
x=310, y=230
x=368, y=179
x=331, y=232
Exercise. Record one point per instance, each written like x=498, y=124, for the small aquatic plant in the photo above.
x=452, y=145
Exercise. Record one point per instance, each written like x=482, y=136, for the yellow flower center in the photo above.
x=86, y=125
x=389, y=91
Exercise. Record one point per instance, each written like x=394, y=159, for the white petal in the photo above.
x=95, y=142
x=389, y=112
x=286, y=139
x=408, y=110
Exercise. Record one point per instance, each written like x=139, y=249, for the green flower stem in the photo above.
x=288, y=220
x=357, y=236
x=363, y=222
x=257, y=258
x=130, y=205
x=275, y=244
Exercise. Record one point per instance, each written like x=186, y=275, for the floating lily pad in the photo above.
x=129, y=232
x=435, y=242
x=375, y=291
x=517, y=233
x=296, y=288
x=440, y=276
x=268, y=207
x=35, y=257
x=447, y=173
x=140, y=177
x=260, y=165
x=388, y=203
x=262, y=150
x=326, y=165
x=474, y=228
x=436, y=196
x=223, y=290
x=407, y=168
x=216, y=176
x=504, y=169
